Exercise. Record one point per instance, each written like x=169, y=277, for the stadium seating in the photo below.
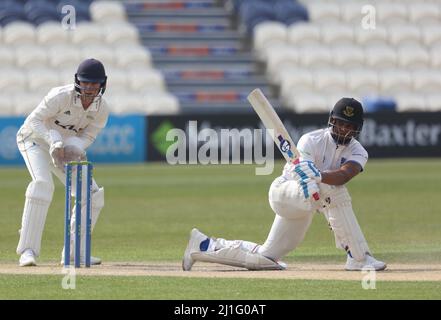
x=253, y=12
x=37, y=53
x=399, y=59
x=309, y=48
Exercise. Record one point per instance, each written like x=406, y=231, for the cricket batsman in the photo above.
x=330, y=158
x=60, y=130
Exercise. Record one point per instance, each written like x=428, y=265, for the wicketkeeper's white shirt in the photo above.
x=61, y=110
x=319, y=146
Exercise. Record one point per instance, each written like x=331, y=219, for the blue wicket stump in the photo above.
x=69, y=167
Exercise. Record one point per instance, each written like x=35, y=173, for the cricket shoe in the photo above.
x=27, y=259
x=194, y=245
x=369, y=263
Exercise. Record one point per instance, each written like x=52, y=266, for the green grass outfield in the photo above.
x=151, y=208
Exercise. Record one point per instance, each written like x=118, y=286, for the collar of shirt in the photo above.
x=93, y=107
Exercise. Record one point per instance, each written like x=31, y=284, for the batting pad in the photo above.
x=38, y=198
x=343, y=222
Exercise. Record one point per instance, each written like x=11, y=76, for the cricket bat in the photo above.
x=271, y=121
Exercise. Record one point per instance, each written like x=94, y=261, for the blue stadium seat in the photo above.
x=237, y=4
x=81, y=8
x=289, y=12
x=254, y=12
x=38, y=12
x=11, y=11
x=376, y=104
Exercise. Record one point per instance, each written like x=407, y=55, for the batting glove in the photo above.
x=309, y=188
x=307, y=170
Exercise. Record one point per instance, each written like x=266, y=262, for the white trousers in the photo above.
x=293, y=216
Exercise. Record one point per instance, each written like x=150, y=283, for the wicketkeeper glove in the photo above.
x=56, y=152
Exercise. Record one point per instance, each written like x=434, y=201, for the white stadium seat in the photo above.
x=333, y=97
x=348, y=56
x=323, y=12
x=329, y=80
x=410, y=102
x=125, y=103
x=19, y=33
x=311, y=102
x=67, y=76
x=29, y=56
x=117, y=80
x=391, y=12
x=7, y=56
x=364, y=37
x=100, y=52
x=12, y=80
x=413, y=57
x=362, y=81
x=295, y=80
x=107, y=11
x=132, y=56
x=393, y=81
x=337, y=34
x=51, y=33
x=304, y=34
x=25, y=103
x=147, y=79
x=433, y=102
x=427, y=81
x=61, y=56
x=143, y=103
x=351, y=12
x=121, y=34
x=6, y=105
x=41, y=80
x=431, y=35
x=435, y=57
x=380, y=57
x=280, y=59
x=424, y=13
x=404, y=34
x=315, y=56
x=161, y=103
x=269, y=34
x=87, y=33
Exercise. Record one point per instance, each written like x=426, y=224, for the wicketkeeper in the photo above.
x=329, y=159
x=60, y=130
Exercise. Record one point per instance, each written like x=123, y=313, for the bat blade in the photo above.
x=271, y=121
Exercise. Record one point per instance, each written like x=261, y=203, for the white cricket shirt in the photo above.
x=61, y=110
x=319, y=147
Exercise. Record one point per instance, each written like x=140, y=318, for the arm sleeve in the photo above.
x=89, y=134
x=47, y=108
x=358, y=155
x=305, y=148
